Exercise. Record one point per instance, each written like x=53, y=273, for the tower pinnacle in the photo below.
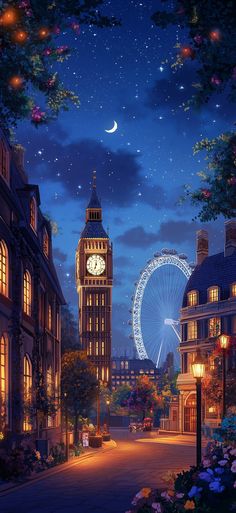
x=94, y=179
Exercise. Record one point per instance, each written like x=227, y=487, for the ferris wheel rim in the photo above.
x=145, y=275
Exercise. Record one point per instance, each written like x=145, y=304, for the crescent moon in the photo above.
x=113, y=129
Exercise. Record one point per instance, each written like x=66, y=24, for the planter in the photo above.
x=106, y=437
x=95, y=441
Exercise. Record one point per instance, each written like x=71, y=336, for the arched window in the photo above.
x=4, y=161
x=27, y=293
x=4, y=385
x=3, y=268
x=45, y=243
x=50, y=317
x=33, y=214
x=27, y=424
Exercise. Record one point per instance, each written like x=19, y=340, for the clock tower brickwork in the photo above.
x=94, y=286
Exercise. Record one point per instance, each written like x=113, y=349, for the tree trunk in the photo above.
x=76, y=431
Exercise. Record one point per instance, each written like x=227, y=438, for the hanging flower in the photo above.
x=37, y=116
x=233, y=467
x=198, y=39
x=215, y=80
x=206, y=193
x=189, y=505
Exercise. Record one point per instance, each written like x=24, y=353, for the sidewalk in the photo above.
x=7, y=487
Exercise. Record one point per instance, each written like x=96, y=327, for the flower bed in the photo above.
x=209, y=488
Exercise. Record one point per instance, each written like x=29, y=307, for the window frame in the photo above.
x=46, y=248
x=33, y=214
x=232, y=288
x=191, y=293
x=4, y=162
x=27, y=390
x=212, y=289
x=27, y=293
x=4, y=269
x=4, y=376
x=215, y=333
x=195, y=329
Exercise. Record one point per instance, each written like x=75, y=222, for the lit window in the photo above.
x=97, y=324
x=103, y=374
x=27, y=293
x=3, y=381
x=192, y=298
x=114, y=365
x=213, y=294
x=97, y=372
x=33, y=214
x=122, y=364
x=103, y=299
x=97, y=348
x=4, y=161
x=103, y=324
x=58, y=326
x=3, y=268
x=49, y=317
x=233, y=290
x=96, y=300
x=89, y=300
x=126, y=364
x=27, y=424
x=192, y=330
x=107, y=373
x=214, y=327
x=45, y=243
x=50, y=392
x=103, y=349
x=90, y=324
x=90, y=348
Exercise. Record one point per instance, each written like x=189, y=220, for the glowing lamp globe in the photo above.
x=108, y=402
x=20, y=36
x=224, y=341
x=198, y=367
x=43, y=32
x=16, y=82
x=8, y=17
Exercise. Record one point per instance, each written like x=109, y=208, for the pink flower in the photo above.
x=233, y=452
x=206, y=463
x=206, y=193
x=198, y=39
x=37, y=115
x=166, y=496
x=233, y=467
x=232, y=180
x=179, y=495
x=157, y=507
x=215, y=80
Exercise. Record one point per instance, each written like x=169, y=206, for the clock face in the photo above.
x=96, y=265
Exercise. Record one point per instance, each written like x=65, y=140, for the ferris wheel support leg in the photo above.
x=159, y=354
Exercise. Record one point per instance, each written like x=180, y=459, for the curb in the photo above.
x=64, y=467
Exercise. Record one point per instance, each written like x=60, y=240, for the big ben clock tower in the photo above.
x=94, y=286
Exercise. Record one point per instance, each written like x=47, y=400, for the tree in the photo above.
x=78, y=386
x=31, y=37
x=69, y=329
x=143, y=397
x=210, y=29
x=120, y=397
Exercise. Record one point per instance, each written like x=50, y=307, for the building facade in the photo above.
x=30, y=301
x=126, y=371
x=208, y=310
x=94, y=286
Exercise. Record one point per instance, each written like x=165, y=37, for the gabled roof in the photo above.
x=217, y=270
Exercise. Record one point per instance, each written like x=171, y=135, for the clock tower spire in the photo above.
x=94, y=287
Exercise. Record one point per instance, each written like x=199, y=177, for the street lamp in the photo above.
x=66, y=421
x=224, y=344
x=108, y=413
x=198, y=370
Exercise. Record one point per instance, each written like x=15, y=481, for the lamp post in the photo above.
x=198, y=370
x=98, y=410
x=108, y=414
x=224, y=343
x=66, y=421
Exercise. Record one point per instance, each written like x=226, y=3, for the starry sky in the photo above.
x=124, y=74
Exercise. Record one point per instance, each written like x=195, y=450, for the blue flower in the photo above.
x=206, y=476
x=219, y=470
x=194, y=492
x=216, y=486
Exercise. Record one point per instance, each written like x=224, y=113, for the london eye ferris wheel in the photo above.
x=156, y=305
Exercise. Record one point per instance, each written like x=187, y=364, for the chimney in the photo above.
x=202, y=246
x=18, y=155
x=230, y=237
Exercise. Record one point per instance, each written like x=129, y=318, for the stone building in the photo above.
x=125, y=371
x=208, y=310
x=30, y=300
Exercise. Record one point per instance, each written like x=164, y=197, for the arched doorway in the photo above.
x=190, y=413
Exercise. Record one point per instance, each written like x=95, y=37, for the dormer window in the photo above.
x=33, y=214
x=213, y=294
x=233, y=290
x=193, y=298
x=46, y=243
x=4, y=161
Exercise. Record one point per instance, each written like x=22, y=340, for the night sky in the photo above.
x=124, y=74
